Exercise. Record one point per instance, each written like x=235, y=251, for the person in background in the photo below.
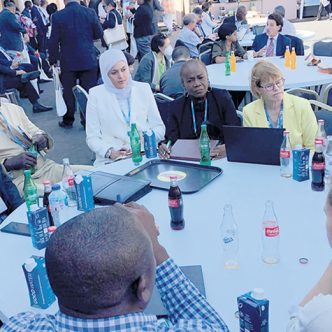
x=314, y=312
x=143, y=29
x=170, y=83
x=288, y=28
x=201, y=104
x=271, y=43
x=41, y=22
x=154, y=64
x=227, y=42
x=275, y=108
x=239, y=19
x=131, y=61
x=158, y=10
x=324, y=4
x=129, y=9
x=188, y=36
x=169, y=13
x=74, y=30
x=119, y=101
x=207, y=24
x=124, y=269
x=10, y=198
x=27, y=9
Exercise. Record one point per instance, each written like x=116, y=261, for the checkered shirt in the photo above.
x=188, y=311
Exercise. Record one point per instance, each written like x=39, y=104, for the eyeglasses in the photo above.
x=269, y=87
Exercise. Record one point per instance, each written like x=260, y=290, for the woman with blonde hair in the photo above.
x=275, y=108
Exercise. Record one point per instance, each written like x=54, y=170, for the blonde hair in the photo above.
x=262, y=71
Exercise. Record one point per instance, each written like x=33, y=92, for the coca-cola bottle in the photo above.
x=270, y=235
x=321, y=133
x=286, y=156
x=175, y=204
x=318, y=167
x=46, y=202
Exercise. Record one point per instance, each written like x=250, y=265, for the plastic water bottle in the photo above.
x=135, y=143
x=293, y=59
x=204, y=146
x=232, y=61
x=270, y=235
x=227, y=64
x=18, y=58
x=328, y=160
x=286, y=157
x=230, y=239
x=287, y=57
x=68, y=183
x=30, y=190
x=57, y=203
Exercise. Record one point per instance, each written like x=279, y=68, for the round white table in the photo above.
x=246, y=186
x=302, y=76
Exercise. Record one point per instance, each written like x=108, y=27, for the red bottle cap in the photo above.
x=45, y=182
x=51, y=229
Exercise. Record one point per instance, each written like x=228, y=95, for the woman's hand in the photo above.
x=164, y=151
x=218, y=152
x=119, y=154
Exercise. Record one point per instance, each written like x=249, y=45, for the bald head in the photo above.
x=95, y=261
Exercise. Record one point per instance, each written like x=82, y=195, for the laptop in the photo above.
x=253, y=145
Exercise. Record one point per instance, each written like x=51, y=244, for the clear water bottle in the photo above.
x=328, y=161
x=270, y=235
x=68, y=182
x=230, y=239
x=286, y=166
x=18, y=58
x=321, y=133
x=57, y=201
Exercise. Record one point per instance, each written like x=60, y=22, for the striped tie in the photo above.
x=270, y=48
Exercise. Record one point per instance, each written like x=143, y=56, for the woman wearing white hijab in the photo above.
x=114, y=105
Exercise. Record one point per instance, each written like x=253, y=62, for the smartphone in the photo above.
x=17, y=228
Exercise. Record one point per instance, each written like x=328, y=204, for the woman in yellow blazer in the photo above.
x=275, y=108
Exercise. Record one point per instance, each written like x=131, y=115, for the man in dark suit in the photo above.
x=41, y=22
x=10, y=29
x=73, y=30
x=271, y=43
x=238, y=19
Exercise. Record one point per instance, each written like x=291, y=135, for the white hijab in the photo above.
x=106, y=61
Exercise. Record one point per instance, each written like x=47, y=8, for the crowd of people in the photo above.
x=42, y=36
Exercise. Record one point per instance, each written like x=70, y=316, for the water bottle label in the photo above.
x=271, y=231
x=284, y=153
x=173, y=203
x=228, y=239
x=318, y=166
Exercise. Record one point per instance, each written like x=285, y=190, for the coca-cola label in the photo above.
x=272, y=231
x=173, y=203
x=71, y=182
x=284, y=153
x=319, y=140
x=318, y=166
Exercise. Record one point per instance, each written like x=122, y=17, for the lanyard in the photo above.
x=127, y=117
x=280, y=118
x=194, y=117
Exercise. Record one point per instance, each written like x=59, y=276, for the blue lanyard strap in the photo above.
x=280, y=118
x=194, y=117
x=126, y=118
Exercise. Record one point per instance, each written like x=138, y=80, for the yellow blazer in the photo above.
x=298, y=118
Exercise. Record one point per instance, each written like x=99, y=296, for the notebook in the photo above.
x=253, y=145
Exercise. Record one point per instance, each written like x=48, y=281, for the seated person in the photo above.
x=188, y=35
x=239, y=19
x=154, y=64
x=227, y=42
x=113, y=106
x=271, y=43
x=315, y=311
x=11, y=74
x=128, y=262
x=10, y=198
x=171, y=83
x=14, y=155
x=275, y=108
x=201, y=104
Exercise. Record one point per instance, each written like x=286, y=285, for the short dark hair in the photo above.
x=198, y=11
x=157, y=41
x=51, y=8
x=225, y=30
x=8, y=4
x=206, y=6
x=26, y=3
x=129, y=57
x=180, y=52
x=110, y=2
x=95, y=260
x=277, y=18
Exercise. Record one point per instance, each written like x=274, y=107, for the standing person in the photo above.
x=239, y=19
x=288, y=27
x=10, y=29
x=143, y=29
x=41, y=22
x=169, y=11
x=157, y=11
x=128, y=11
x=27, y=9
x=74, y=29
x=324, y=4
x=207, y=24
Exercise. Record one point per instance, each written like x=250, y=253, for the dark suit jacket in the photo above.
x=74, y=29
x=38, y=21
x=231, y=20
x=221, y=111
x=26, y=13
x=261, y=40
x=10, y=31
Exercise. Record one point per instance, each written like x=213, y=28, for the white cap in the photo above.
x=30, y=264
x=258, y=294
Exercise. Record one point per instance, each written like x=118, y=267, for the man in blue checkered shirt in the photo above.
x=102, y=267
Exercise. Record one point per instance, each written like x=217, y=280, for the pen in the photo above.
x=168, y=145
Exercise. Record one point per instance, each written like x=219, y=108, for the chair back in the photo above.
x=297, y=43
x=323, y=47
x=164, y=104
x=327, y=95
x=258, y=29
x=323, y=112
x=206, y=57
x=81, y=98
x=179, y=42
x=205, y=46
x=304, y=93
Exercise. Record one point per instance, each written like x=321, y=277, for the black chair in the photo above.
x=323, y=112
x=206, y=57
x=207, y=44
x=81, y=98
x=179, y=42
x=323, y=47
x=297, y=43
x=164, y=104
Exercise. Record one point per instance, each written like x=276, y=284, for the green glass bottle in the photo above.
x=33, y=150
x=30, y=190
x=135, y=143
x=204, y=146
x=227, y=64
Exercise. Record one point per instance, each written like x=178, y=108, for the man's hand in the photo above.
x=25, y=160
x=20, y=72
x=260, y=53
x=41, y=141
x=218, y=152
x=146, y=219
